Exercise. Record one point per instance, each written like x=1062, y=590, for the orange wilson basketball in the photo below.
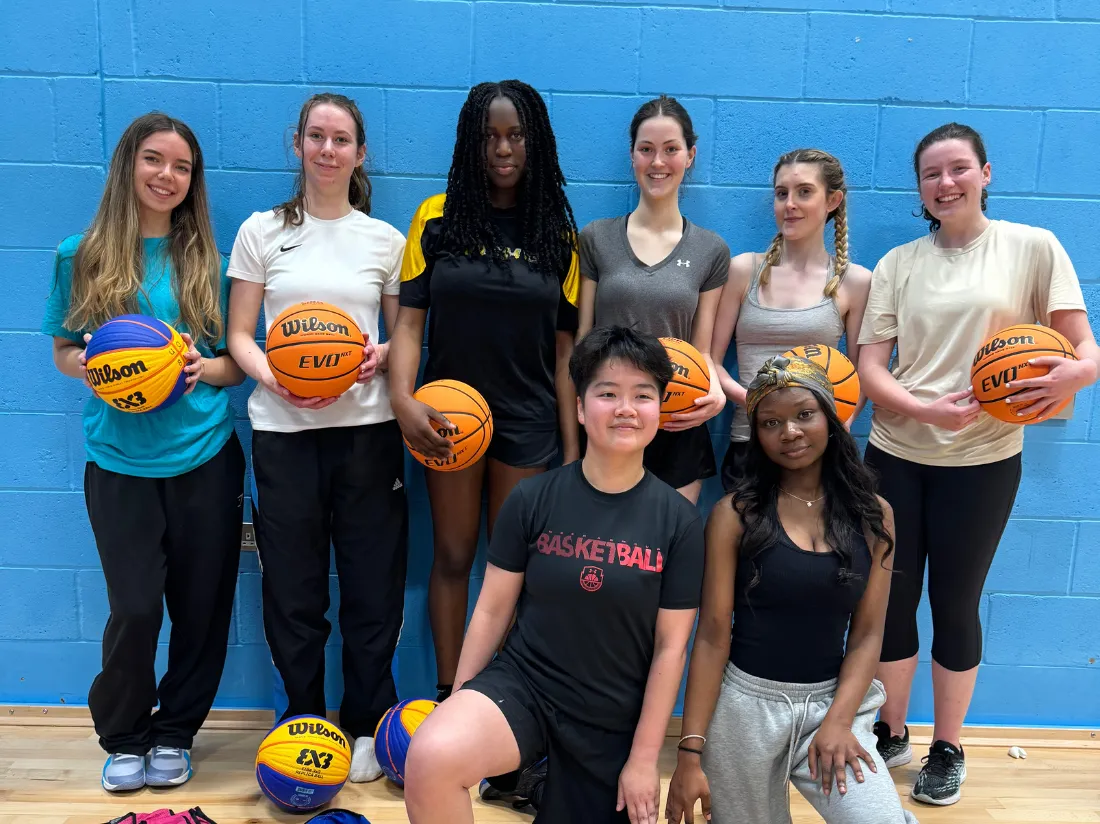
x=842, y=374
x=1003, y=359
x=466, y=409
x=314, y=350
x=690, y=378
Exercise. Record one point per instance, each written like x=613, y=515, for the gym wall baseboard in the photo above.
x=27, y=715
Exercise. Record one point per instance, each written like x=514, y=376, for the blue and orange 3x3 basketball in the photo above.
x=394, y=733
x=303, y=763
x=135, y=363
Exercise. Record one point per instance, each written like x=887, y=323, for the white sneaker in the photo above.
x=364, y=764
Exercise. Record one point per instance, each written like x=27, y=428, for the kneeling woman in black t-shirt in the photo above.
x=798, y=556
x=605, y=563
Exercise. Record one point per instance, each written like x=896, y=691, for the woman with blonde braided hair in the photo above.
x=793, y=294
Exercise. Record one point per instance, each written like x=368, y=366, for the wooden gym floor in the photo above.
x=51, y=774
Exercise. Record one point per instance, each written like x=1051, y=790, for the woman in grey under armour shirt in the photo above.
x=657, y=272
x=795, y=293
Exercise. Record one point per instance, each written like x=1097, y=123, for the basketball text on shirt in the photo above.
x=605, y=552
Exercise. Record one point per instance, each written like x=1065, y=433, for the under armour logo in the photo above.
x=685, y=263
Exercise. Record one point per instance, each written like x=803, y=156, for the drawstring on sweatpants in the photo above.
x=796, y=736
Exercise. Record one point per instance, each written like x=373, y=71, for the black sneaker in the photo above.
x=894, y=749
x=525, y=792
x=941, y=777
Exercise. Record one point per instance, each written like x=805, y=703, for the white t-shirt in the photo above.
x=941, y=305
x=349, y=262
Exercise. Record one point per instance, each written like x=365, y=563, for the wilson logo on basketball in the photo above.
x=99, y=375
x=591, y=578
x=308, y=728
x=312, y=324
x=996, y=344
x=681, y=370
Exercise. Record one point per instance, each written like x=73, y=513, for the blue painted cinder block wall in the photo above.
x=861, y=78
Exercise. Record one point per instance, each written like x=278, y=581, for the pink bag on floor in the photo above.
x=192, y=816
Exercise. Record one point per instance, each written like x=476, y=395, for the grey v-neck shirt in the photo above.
x=661, y=299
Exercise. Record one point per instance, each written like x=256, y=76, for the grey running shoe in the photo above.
x=167, y=766
x=123, y=772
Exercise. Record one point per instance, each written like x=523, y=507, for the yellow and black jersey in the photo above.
x=488, y=326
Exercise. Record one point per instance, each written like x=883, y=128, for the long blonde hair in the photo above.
x=832, y=173
x=109, y=266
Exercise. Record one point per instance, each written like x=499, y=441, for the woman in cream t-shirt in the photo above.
x=949, y=470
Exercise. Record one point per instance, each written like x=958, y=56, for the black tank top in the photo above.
x=791, y=626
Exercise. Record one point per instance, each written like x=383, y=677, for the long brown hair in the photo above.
x=109, y=266
x=359, y=187
x=832, y=174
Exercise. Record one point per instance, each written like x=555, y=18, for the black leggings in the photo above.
x=953, y=518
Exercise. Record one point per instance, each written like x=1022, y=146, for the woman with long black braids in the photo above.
x=494, y=260
x=798, y=556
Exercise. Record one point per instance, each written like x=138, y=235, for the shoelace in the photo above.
x=939, y=765
x=174, y=752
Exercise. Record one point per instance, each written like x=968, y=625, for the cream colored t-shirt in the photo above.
x=941, y=305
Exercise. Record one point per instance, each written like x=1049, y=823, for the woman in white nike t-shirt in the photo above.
x=326, y=470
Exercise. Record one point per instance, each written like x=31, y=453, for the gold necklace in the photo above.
x=808, y=503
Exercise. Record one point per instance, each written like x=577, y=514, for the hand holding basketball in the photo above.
x=706, y=408
x=267, y=378
x=370, y=360
x=1050, y=391
x=196, y=367
x=84, y=360
x=947, y=414
x=419, y=424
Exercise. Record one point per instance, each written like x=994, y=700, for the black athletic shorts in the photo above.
x=583, y=762
x=681, y=458
x=522, y=449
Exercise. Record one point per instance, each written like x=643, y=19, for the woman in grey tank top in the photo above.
x=657, y=272
x=796, y=293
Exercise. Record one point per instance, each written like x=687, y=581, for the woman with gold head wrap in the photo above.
x=797, y=555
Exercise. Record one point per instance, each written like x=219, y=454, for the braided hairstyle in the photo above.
x=832, y=174
x=949, y=131
x=549, y=229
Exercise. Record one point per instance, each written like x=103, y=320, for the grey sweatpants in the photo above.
x=760, y=737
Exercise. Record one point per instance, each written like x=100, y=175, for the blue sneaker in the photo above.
x=123, y=772
x=527, y=789
x=167, y=766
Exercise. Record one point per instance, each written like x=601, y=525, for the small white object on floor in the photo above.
x=364, y=763
x=1017, y=752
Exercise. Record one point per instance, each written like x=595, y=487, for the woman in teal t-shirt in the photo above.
x=163, y=488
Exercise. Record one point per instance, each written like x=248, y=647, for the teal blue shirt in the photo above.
x=158, y=444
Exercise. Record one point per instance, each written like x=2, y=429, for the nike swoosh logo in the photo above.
x=288, y=248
